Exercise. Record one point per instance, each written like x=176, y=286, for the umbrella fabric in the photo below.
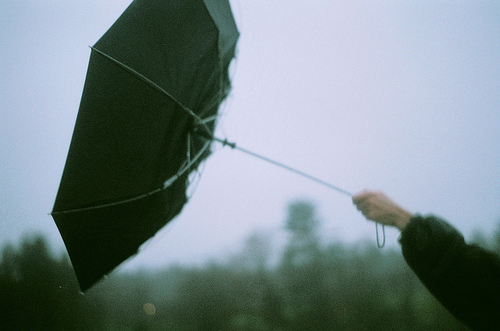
x=158, y=72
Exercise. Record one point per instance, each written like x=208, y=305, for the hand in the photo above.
x=376, y=206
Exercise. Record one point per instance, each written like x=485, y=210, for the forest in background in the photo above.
x=313, y=286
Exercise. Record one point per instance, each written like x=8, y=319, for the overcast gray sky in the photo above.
x=402, y=96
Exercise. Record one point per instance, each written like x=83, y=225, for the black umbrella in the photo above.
x=155, y=77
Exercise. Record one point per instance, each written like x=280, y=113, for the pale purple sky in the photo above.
x=402, y=96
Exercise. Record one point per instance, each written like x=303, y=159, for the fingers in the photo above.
x=365, y=198
x=361, y=196
x=368, y=203
x=367, y=210
x=362, y=202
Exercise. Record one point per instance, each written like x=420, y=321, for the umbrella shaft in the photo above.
x=225, y=142
x=233, y=145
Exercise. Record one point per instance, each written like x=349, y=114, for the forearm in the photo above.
x=402, y=218
x=464, y=278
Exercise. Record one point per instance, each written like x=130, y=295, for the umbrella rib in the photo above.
x=108, y=204
x=185, y=167
x=208, y=119
x=147, y=80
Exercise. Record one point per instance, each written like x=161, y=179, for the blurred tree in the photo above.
x=256, y=252
x=307, y=304
x=264, y=300
x=496, y=239
x=312, y=287
x=39, y=292
x=303, y=248
x=206, y=298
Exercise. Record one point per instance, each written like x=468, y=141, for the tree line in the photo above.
x=312, y=286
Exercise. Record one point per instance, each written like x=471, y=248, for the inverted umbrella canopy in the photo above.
x=157, y=74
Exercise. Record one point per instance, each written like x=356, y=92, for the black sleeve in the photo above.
x=464, y=278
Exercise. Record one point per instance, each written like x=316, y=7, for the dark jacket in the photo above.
x=464, y=278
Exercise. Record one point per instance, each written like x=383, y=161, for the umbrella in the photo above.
x=155, y=77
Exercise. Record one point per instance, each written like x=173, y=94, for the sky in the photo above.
x=398, y=96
